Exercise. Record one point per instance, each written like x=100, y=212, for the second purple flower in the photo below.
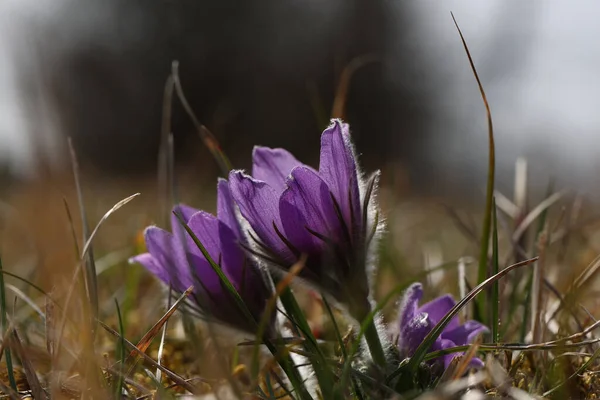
x=416, y=322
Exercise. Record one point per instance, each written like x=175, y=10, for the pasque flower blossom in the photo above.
x=327, y=214
x=176, y=260
x=416, y=322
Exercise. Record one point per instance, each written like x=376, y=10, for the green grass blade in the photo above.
x=323, y=373
x=340, y=341
x=495, y=306
x=4, y=321
x=121, y=352
x=487, y=217
x=575, y=374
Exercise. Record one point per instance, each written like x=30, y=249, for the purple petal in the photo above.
x=153, y=266
x=413, y=333
x=337, y=167
x=465, y=333
x=210, y=231
x=438, y=308
x=476, y=363
x=273, y=166
x=442, y=344
x=226, y=209
x=307, y=204
x=446, y=344
x=259, y=204
x=410, y=303
x=186, y=213
x=168, y=252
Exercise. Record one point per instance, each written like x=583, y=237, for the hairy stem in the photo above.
x=374, y=343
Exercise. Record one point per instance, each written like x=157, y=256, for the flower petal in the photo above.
x=186, y=213
x=413, y=333
x=438, y=308
x=222, y=245
x=410, y=303
x=153, y=266
x=226, y=209
x=259, y=205
x=442, y=344
x=307, y=204
x=210, y=231
x=273, y=166
x=337, y=167
x=465, y=333
x=168, y=252
x=446, y=344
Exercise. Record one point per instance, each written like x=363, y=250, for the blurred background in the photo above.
x=266, y=73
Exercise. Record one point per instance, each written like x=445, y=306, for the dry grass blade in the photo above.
x=144, y=391
x=467, y=231
x=537, y=297
x=163, y=337
x=210, y=141
x=104, y=218
x=26, y=299
x=146, y=340
x=8, y=391
x=534, y=214
x=91, y=284
x=520, y=193
x=65, y=315
x=507, y=206
x=586, y=275
x=173, y=376
x=466, y=359
x=50, y=328
x=341, y=95
x=32, y=379
x=282, y=285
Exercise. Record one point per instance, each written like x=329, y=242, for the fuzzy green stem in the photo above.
x=375, y=347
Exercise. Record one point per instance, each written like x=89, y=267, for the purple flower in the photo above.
x=327, y=214
x=416, y=322
x=176, y=260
